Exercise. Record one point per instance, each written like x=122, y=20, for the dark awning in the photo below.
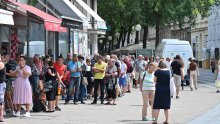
x=69, y=17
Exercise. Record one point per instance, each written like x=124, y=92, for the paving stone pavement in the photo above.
x=128, y=110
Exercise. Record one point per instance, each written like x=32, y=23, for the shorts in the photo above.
x=51, y=95
x=8, y=85
x=137, y=75
x=177, y=80
x=2, y=92
x=122, y=81
x=112, y=92
x=128, y=78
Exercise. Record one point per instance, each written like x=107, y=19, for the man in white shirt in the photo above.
x=168, y=63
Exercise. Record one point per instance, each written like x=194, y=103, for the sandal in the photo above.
x=165, y=122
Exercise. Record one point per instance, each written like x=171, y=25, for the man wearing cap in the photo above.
x=74, y=67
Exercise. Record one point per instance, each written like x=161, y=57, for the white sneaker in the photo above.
x=13, y=113
x=17, y=114
x=27, y=114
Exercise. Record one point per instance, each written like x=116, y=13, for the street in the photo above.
x=190, y=108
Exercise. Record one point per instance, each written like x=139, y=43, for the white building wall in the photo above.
x=213, y=30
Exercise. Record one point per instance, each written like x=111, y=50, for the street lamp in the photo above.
x=109, y=38
x=138, y=29
x=110, y=43
x=101, y=41
x=117, y=35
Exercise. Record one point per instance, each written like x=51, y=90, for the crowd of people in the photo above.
x=43, y=81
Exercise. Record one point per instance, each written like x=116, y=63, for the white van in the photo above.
x=173, y=47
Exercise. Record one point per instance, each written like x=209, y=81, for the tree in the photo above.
x=147, y=19
x=179, y=12
x=121, y=16
x=109, y=11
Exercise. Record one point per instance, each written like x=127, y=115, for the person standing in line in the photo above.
x=75, y=69
x=129, y=72
x=177, y=68
x=82, y=87
x=22, y=88
x=2, y=88
x=68, y=59
x=90, y=78
x=118, y=66
x=213, y=64
x=36, y=70
x=122, y=77
x=99, y=71
x=139, y=68
x=51, y=75
x=147, y=88
x=10, y=68
x=110, y=75
x=60, y=69
x=162, y=99
x=194, y=72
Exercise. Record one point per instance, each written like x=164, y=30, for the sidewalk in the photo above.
x=210, y=117
x=128, y=111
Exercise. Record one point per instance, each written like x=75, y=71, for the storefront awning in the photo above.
x=51, y=23
x=6, y=17
x=101, y=24
x=79, y=13
x=69, y=17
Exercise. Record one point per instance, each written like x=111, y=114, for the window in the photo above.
x=37, y=40
x=4, y=39
x=63, y=44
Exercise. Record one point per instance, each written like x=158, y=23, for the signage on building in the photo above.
x=71, y=24
x=145, y=52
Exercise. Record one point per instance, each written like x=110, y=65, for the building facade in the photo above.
x=213, y=42
x=77, y=32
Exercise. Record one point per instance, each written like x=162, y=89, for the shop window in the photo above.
x=4, y=39
x=63, y=44
x=36, y=39
x=22, y=36
x=51, y=44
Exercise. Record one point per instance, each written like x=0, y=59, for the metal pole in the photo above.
x=28, y=26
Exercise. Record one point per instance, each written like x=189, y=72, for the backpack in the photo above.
x=38, y=105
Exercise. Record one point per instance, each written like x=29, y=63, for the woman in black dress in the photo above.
x=162, y=98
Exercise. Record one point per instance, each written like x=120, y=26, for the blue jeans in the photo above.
x=34, y=79
x=83, y=92
x=74, y=82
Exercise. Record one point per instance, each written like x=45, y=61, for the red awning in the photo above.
x=51, y=23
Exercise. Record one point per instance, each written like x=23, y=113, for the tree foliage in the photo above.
x=122, y=15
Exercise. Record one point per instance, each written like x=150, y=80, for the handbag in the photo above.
x=217, y=83
x=48, y=86
x=172, y=85
x=84, y=81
